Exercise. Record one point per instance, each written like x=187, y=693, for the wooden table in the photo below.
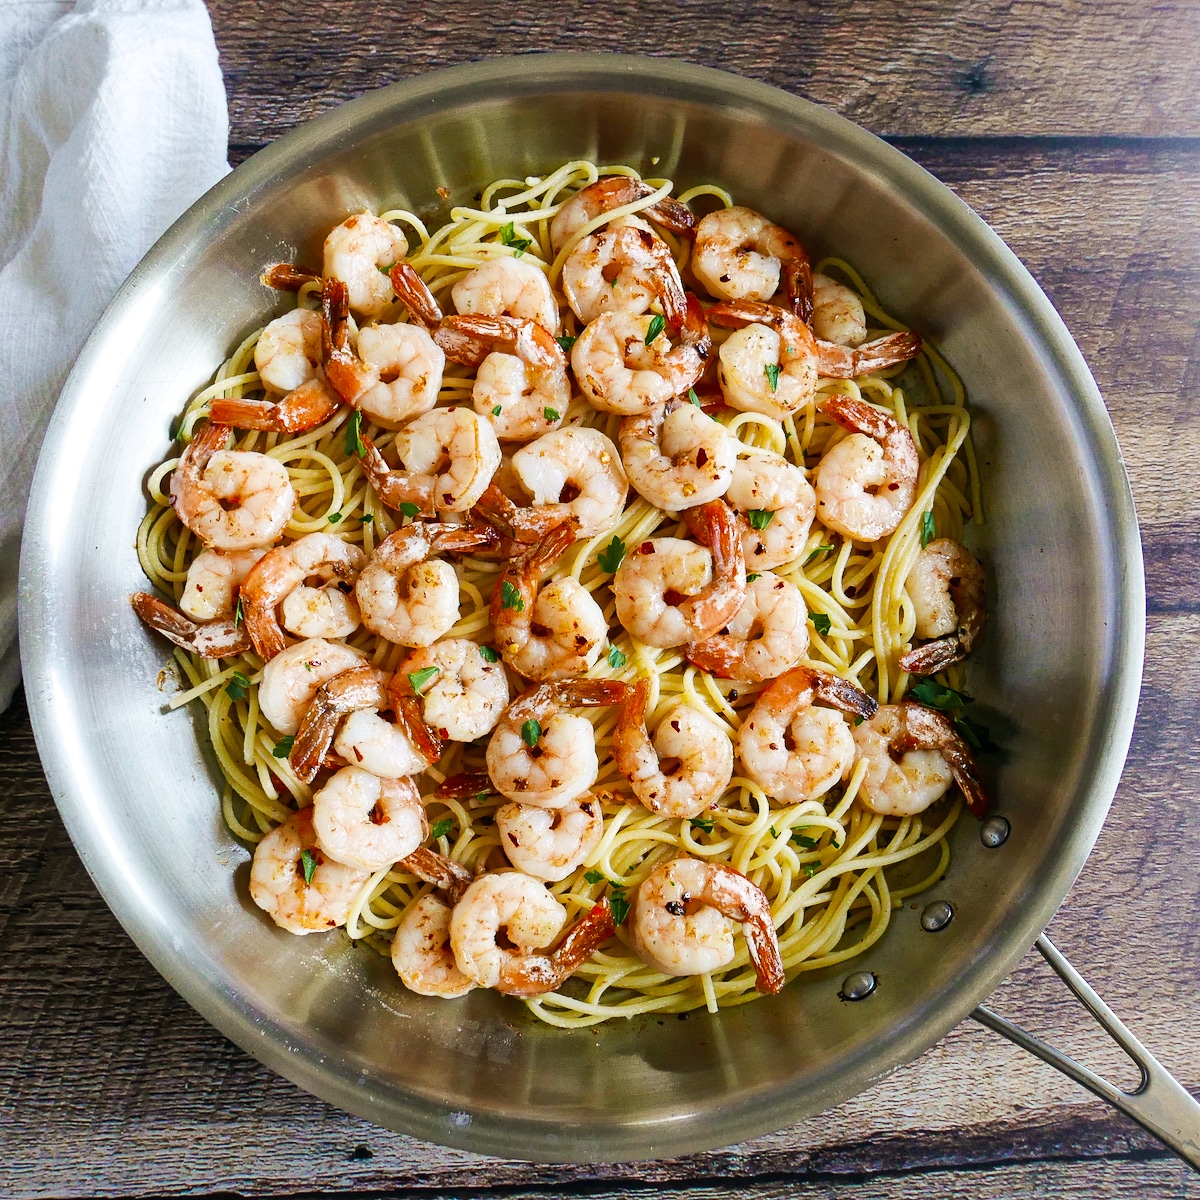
x=1074, y=130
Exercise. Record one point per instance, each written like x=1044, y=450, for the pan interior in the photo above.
x=1056, y=678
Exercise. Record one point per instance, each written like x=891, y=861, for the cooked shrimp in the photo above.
x=621, y=369
x=670, y=591
x=281, y=571
x=466, y=697
x=288, y=358
x=838, y=314
x=770, y=364
x=614, y=191
x=211, y=639
x=512, y=906
x=366, y=740
x=404, y=596
x=324, y=611
x=508, y=287
x=740, y=255
x=794, y=750
x=866, y=483
x=680, y=918
x=684, y=769
x=363, y=821
x=358, y=252
x=540, y=754
x=550, y=843
x=767, y=636
x=456, y=450
x=677, y=456
x=521, y=384
x=913, y=754
x=297, y=884
x=622, y=270
x=572, y=474
x=546, y=632
x=293, y=677
x=392, y=375
x=213, y=578
x=778, y=503
x=421, y=951
x=946, y=587
x=230, y=499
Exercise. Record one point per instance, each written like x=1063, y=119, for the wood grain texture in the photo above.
x=969, y=67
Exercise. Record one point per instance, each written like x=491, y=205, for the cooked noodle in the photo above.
x=832, y=870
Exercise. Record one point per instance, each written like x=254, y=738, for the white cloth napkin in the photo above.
x=112, y=121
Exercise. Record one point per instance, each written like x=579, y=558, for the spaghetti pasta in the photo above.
x=832, y=870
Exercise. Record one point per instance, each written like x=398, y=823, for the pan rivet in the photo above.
x=994, y=832
x=858, y=986
x=936, y=916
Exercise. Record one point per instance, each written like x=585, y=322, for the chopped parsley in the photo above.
x=237, y=612
x=334, y=518
x=531, y=733
x=497, y=410
x=309, y=863
x=593, y=877
x=510, y=597
x=551, y=414
x=409, y=509
x=442, y=828
x=707, y=824
x=694, y=398
x=810, y=869
x=610, y=557
x=752, y=577
x=804, y=841
x=283, y=747
x=821, y=549
x=657, y=324
x=510, y=237
x=367, y=518
x=772, y=372
x=489, y=655
x=419, y=679
x=619, y=906
x=615, y=657
x=928, y=529
x=354, y=442
x=566, y=342
x=937, y=695
x=821, y=622
x=237, y=687
x=760, y=518
x=773, y=831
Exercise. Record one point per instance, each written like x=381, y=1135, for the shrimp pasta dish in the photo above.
x=578, y=597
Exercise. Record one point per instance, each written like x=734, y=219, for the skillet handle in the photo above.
x=1159, y=1103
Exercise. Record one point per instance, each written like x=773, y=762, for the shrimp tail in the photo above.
x=538, y=974
x=931, y=657
x=414, y=294
x=410, y=716
x=524, y=572
x=722, y=655
x=737, y=314
x=460, y=539
x=849, y=362
x=842, y=694
x=927, y=729
x=716, y=525
x=740, y=899
x=444, y=873
x=798, y=286
x=288, y=277
x=216, y=639
x=395, y=488
x=302, y=408
x=345, y=372
x=464, y=785
x=589, y=693
x=674, y=216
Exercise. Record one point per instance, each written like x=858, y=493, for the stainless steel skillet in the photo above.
x=136, y=788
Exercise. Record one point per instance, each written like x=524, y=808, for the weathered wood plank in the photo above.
x=964, y=68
